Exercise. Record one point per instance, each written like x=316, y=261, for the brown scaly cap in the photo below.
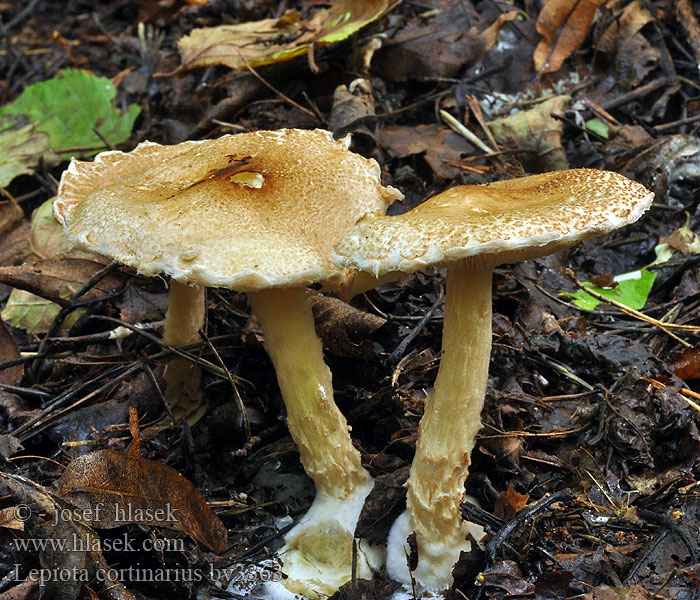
x=501, y=222
x=246, y=211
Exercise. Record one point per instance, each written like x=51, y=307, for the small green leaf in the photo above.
x=70, y=108
x=598, y=126
x=632, y=290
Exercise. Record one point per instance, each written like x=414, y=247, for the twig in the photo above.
x=455, y=125
x=274, y=89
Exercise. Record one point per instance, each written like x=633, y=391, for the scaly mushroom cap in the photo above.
x=246, y=211
x=496, y=223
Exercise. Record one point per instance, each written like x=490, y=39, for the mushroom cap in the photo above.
x=245, y=211
x=482, y=226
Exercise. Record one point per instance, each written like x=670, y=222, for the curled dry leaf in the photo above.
x=131, y=489
x=538, y=131
x=275, y=40
x=563, y=25
x=54, y=279
x=345, y=330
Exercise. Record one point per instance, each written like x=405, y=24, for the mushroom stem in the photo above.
x=318, y=555
x=446, y=436
x=319, y=429
x=185, y=317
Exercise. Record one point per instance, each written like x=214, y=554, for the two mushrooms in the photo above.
x=264, y=213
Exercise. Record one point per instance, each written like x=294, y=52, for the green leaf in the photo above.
x=70, y=107
x=632, y=290
x=598, y=126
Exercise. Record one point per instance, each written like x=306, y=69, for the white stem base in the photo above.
x=318, y=551
x=433, y=573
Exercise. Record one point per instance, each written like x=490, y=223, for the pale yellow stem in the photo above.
x=447, y=431
x=318, y=428
x=184, y=319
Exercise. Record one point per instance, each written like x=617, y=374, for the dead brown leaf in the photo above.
x=131, y=489
x=440, y=144
x=27, y=590
x=686, y=363
x=10, y=214
x=345, y=330
x=510, y=503
x=9, y=351
x=433, y=46
x=72, y=548
x=53, y=278
x=563, y=25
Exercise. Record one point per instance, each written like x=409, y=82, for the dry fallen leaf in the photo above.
x=131, y=489
x=274, y=40
x=510, y=503
x=71, y=546
x=54, y=279
x=9, y=351
x=345, y=330
x=440, y=144
x=438, y=44
x=563, y=25
x=538, y=131
x=686, y=363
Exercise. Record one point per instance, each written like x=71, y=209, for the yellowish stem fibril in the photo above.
x=318, y=552
x=185, y=317
x=446, y=436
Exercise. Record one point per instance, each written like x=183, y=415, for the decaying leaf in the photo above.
x=563, y=25
x=131, y=489
x=684, y=240
x=440, y=144
x=71, y=547
x=10, y=214
x=510, y=503
x=21, y=148
x=538, y=131
x=9, y=351
x=686, y=363
x=33, y=313
x=57, y=278
x=274, y=40
x=345, y=330
x=26, y=310
x=439, y=44
x=47, y=238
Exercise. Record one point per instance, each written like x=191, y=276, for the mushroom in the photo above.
x=257, y=212
x=470, y=230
